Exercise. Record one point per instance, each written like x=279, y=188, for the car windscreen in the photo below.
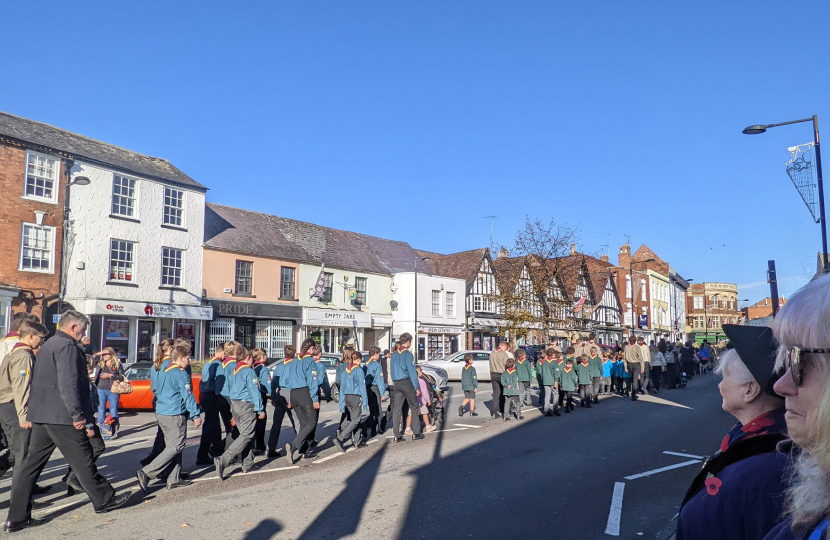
x=138, y=374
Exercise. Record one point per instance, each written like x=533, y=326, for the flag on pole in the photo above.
x=320, y=286
x=581, y=303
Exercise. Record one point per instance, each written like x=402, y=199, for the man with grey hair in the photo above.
x=60, y=410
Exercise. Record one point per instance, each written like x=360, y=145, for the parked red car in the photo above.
x=141, y=398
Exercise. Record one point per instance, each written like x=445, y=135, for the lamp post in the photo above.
x=417, y=340
x=633, y=296
x=757, y=129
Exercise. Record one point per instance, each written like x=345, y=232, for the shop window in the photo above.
x=244, y=277
x=360, y=291
x=172, y=262
x=328, y=281
x=37, y=248
x=123, y=196
x=41, y=177
x=121, y=260
x=173, y=207
x=477, y=303
x=436, y=303
x=287, y=283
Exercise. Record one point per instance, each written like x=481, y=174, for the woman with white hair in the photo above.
x=803, y=331
x=739, y=492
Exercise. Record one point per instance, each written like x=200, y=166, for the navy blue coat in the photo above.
x=744, y=500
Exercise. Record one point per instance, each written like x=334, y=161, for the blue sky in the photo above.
x=412, y=120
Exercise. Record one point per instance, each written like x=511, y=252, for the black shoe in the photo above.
x=548, y=413
x=399, y=439
x=183, y=483
x=460, y=410
x=338, y=444
x=289, y=453
x=556, y=412
x=75, y=486
x=506, y=418
x=596, y=400
x=11, y=526
x=220, y=469
x=383, y=424
x=418, y=437
x=361, y=444
x=258, y=452
x=143, y=480
x=117, y=501
x=273, y=454
x=521, y=418
x=41, y=490
x=313, y=444
x=39, y=505
x=184, y=476
x=473, y=413
x=568, y=410
x=634, y=397
x=588, y=405
x=204, y=461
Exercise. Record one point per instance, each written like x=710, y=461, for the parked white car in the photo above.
x=454, y=364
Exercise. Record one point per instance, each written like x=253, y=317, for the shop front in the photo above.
x=437, y=342
x=483, y=334
x=133, y=329
x=260, y=325
x=335, y=328
x=380, y=334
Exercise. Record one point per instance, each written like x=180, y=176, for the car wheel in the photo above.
x=335, y=392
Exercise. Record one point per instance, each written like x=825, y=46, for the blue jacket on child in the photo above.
x=223, y=377
x=245, y=386
x=209, y=370
x=174, y=395
x=402, y=366
x=373, y=374
x=301, y=374
x=352, y=383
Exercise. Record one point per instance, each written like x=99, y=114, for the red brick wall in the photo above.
x=16, y=210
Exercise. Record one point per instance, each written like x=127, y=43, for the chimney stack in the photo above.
x=625, y=256
x=502, y=253
x=604, y=257
x=573, y=249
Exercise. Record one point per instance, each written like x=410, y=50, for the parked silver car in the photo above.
x=454, y=364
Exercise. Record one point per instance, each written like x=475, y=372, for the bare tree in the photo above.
x=531, y=293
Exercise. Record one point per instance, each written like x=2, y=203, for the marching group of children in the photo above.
x=559, y=375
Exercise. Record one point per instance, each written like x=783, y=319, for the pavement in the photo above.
x=618, y=470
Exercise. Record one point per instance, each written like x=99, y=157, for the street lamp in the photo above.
x=633, y=297
x=417, y=340
x=757, y=129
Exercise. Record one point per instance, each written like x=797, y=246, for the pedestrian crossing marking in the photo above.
x=468, y=425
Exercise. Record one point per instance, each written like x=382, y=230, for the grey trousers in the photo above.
x=524, y=392
x=551, y=401
x=174, y=430
x=595, y=382
x=354, y=410
x=245, y=417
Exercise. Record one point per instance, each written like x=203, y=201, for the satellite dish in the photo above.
x=394, y=304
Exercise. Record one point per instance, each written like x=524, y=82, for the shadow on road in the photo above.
x=267, y=529
x=341, y=517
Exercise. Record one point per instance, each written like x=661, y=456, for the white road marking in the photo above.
x=262, y=471
x=468, y=425
x=678, y=454
x=323, y=460
x=662, y=469
x=612, y=528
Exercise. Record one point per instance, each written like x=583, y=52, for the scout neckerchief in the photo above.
x=468, y=366
x=594, y=356
x=305, y=356
x=212, y=359
x=228, y=360
x=550, y=359
x=11, y=335
x=287, y=360
x=559, y=361
x=569, y=369
x=240, y=366
x=173, y=366
x=511, y=368
x=584, y=362
x=521, y=361
x=350, y=367
x=604, y=360
x=19, y=345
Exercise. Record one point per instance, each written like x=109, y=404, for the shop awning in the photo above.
x=557, y=333
x=381, y=321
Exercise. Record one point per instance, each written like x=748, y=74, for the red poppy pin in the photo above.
x=713, y=484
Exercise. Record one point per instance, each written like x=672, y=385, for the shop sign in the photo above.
x=440, y=330
x=143, y=309
x=260, y=310
x=334, y=317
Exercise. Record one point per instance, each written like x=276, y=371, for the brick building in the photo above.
x=710, y=305
x=32, y=182
x=761, y=309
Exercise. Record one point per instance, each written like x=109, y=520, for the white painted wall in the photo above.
x=90, y=209
x=378, y=290
x=404, y=294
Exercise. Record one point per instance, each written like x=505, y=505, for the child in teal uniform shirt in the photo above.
x=353, y=402
x=525, y=375
x=550, y=382
x=567, y=383
x=583, y=373
x=469, y=385
x=595, y=361
x=510, y=382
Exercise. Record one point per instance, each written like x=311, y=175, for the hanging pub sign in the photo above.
x=643, y=322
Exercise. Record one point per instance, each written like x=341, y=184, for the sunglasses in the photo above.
x=794, y=364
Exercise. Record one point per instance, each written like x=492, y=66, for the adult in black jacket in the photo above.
x=60, y=410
